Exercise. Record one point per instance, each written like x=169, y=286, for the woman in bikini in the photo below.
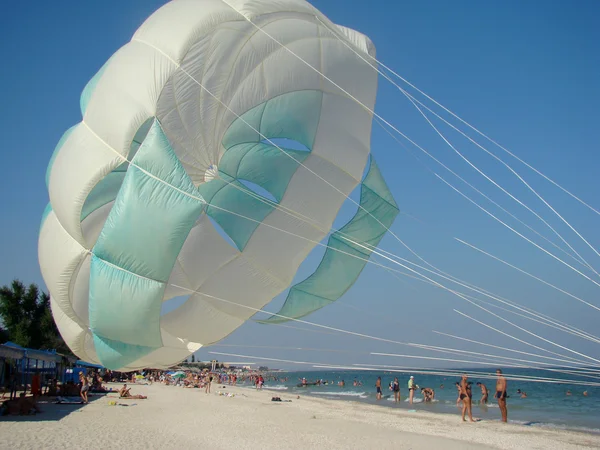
x=465, y=396
x=396, y=389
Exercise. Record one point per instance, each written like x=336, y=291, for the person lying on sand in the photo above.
x=124, y=393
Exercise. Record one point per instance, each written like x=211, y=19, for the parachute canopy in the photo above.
x=152, y=194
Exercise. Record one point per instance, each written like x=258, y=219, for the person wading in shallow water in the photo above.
x=396, y=389
x=484, y=393
x=378, y=387
x=501, y=394
x=465, y=396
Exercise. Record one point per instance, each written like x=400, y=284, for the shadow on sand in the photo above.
x=50, y=410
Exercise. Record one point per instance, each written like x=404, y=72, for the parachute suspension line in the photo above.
x=485, y=360
x=325, y=326
x=432, y=371
x=481, y=374
x=461, y=120
x=508, y=349
x=526, y=273
x=421, y=346
x=410, y=98
x=486, y=357
x=478, y=191
x=512, y=196
x=550, y=324
x=447, y=350
x=290, y=156
x=358, y=244
x=524, y=237
x=493, y=141
x=202, y=200
x=482, y=363
x=528, y=332
x=457, y=294
x=374, y=249
x=371, y=111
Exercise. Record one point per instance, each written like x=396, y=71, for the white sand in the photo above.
x=188, y=418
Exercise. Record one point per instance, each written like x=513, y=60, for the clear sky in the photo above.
x=524, y=72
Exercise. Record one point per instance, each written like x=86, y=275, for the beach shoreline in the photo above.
x=242, y=417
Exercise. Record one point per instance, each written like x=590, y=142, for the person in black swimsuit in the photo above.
x=396, y=389
x=501, y=395
x=465, y=396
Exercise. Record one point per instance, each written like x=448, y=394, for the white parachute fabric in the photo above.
x=144, y=189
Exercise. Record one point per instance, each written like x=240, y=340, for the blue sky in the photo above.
x=526, y=73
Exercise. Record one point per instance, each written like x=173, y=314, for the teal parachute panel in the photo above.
x=347, y=252
x=235, y=208
x=104, y=192
x=263, y=164
x=294, y=115
x=137, y=249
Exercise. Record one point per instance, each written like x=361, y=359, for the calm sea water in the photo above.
x=547, y=404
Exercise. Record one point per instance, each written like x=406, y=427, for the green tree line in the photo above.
x=26, y=318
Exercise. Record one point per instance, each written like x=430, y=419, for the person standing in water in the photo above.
x=501, y=395
x=484, y=393
x=396, y=389
x=411, y=389
x=378, y=387
x=465, y=396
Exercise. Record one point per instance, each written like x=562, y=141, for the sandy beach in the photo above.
x=174, y=417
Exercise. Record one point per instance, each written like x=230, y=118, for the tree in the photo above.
x=27, y=318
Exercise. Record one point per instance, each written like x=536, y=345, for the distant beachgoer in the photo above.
x=378, y=388
x=484, y=393
x=458, y=399
x=465, y=396
x=411, y=389
x=441, y=386
x=501, y=389
x=85, y=387
x=124, y=392
x=585, y=393
x=428, y=394
x=568, y=392
x=396, y=389
x=35, y=385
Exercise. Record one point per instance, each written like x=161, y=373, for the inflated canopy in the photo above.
x=152, y=194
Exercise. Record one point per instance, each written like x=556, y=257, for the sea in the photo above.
x=547, y=404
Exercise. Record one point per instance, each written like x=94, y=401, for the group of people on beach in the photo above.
x=465, y=394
